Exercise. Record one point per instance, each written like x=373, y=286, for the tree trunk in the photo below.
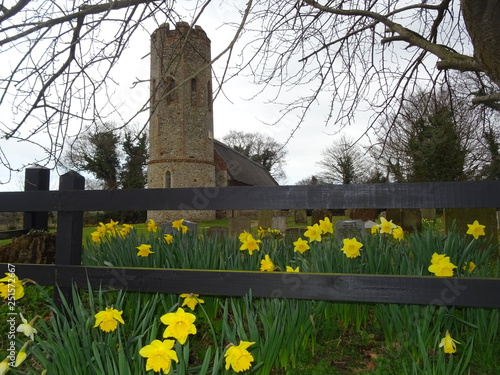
x=482, y=18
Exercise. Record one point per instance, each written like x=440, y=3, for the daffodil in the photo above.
x=398, y=233
x=21, y=355
x=125, y=230
x=4, y=366
x=301, y=246
x=386, y=226
x=179, y=226
x=108, y=319
x=191, y=300
x=326, y=226
x=449, y=344
x=243, y=236
x=250, y=244
x=375, y=229
x=238, y=357
x=179, y=325
x=476, y=229
x=441, y=265
x=27, y=328
x=12, y=287
x=470, y=267
x=267, y=264
x=144, y=250
x=351, y=247
x=260, y=232
x=152, y=227
x=168, y=238
x=290, y=269
x=96, y=236
x=111, y=227
x=159, y=355
x=313, y=233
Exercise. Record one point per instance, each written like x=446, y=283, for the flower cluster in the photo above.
x=110, y=229
x=388, y=227
x=441, y=265
x=10, y=285
x=178, y=224
x=274, y=233
x=248, y=242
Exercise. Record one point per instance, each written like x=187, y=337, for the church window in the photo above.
x=168, y=179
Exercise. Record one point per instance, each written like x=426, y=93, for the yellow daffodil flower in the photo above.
x=441, y=265
x=111, y=227
x=313, y=233
x=27, y=328
x=476, y=229
x=168, y=238
x=238, y=357
x=108, y=319
x=4, y=366
x=191, y=300
x=159, y=355
x=386, y=226
x=470, y=267
x=21, y=356
x=96, y=236
x=375, y=229
x=11, y=285
x=326, y=226
x=250, y=244
x=102, y=228
x=179, y=226
x=179, y=325
x=152, y=227
x=301, y=246
x=144, y=250
x=260, y=232
x=126, y=230
x=449, y=344
x=351, y=247
x=267, y=264
x=290, y=269
x=243, y=236
x=398, y=233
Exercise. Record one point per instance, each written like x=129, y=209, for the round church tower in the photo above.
x=181, y=146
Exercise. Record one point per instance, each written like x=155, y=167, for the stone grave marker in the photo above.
x=409, y=219
x=318, y=215
x=463, y=216
x=300, y=216
x=238, y=224
x=218, y=232
x=167, y=228
x=363, y=214
x=278, y=222
x=265, y=218
x=295, y=233
x=349, y=229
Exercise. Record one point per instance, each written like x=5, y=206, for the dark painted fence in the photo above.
x=71, y=200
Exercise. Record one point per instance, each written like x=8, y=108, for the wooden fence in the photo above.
x=71, y=200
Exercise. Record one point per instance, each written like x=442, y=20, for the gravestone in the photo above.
x=428, y=213
x=295, y=233
x=265, y=218
x=300, y=216
x=363, y=214
x=278, y=222
x=238, y=224
x=349, y=229
x=318, y=215
x=409, y=219
x=168, y=229
x=463, y=216
x=218, y=232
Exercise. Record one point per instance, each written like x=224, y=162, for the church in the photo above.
x=182, y=150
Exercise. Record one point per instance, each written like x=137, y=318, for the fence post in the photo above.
x=36, y=178
x=69, y=236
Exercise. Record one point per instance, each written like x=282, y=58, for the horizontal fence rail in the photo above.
x=71, y=201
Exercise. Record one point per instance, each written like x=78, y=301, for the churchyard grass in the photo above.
x=289, y=336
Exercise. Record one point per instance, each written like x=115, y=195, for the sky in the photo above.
x=235, y=108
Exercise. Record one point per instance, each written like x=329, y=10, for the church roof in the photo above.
x=242, y=169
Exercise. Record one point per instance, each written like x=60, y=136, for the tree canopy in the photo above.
x=350, y=56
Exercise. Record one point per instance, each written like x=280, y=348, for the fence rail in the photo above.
x=71, y=200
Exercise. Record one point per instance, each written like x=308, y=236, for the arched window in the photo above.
x=168, y=179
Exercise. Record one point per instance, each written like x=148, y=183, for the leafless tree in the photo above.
x=356, y=55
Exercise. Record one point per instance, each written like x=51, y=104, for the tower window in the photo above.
x=168, y=179
x=194, y=94
x=170, y=90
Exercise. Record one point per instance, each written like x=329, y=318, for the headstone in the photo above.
x=463, y=216
x=368, y=226
x=167, y=227
x=217, y=232
x=238, y=224
x=300, y=216
x=349, y=229
x=409, y=219
x=278, y=222
x=428, y=213
x=265, y=218
x=364, y=214
x=295, y=233
x=318, y=215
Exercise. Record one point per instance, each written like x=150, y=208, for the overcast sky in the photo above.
x=233, y=109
